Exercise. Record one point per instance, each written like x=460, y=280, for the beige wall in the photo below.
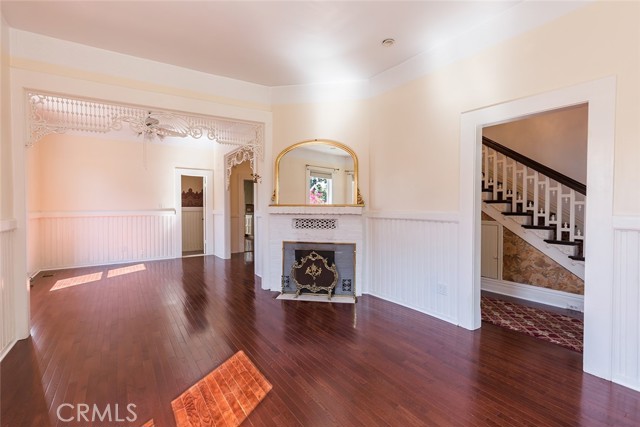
x=557, y=139
x=415, y=128
x=6, y=177
x=80, y=173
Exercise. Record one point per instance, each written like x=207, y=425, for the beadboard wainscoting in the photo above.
x=412, y=260
x=192, y=229
x=7, y=288
x=626, y=295
x=74, y=239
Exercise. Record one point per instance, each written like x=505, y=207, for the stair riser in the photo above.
x=522, y=220
x=543, y=234
x=566, y=249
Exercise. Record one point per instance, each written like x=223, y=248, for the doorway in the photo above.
x=242, y=210
x=194, y=212
x=598, y=314
x=192, y=207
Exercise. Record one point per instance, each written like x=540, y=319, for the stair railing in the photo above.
x=553, y=200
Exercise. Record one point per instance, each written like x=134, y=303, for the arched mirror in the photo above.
x=317, y=172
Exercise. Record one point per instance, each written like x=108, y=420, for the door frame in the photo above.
x=207, y=192
x=598, y=296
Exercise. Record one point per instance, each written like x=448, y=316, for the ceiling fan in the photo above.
x=160, y=124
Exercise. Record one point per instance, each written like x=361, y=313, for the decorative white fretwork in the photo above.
x=49, y=113
x=236, y=157
x=315, y=223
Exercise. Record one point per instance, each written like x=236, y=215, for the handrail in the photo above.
x=545, y=170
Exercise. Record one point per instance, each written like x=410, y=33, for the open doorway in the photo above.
x=248, y=209
x=242, y=210
x=598, y=313
x=192, y=207
x=194, y=212
x=533, y=231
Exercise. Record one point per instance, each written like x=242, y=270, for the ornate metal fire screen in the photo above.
x=318, y=269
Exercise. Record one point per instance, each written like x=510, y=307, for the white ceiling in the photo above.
x=264, y=42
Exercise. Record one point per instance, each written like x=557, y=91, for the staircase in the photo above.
x=539, y=204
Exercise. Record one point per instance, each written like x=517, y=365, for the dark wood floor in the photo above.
x=146, y=336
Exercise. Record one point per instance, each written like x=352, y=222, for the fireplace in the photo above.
x=322, y=269
x=307, y=228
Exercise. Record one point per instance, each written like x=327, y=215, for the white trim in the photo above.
x=537, y=294
x=314, y=210
x=7, y=349
x=418, y=216
x=631, y=223
x=80, y=214
x=100, y=264
x=601, y=97
x=8, y=225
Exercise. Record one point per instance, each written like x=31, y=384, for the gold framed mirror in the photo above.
x=317, y=172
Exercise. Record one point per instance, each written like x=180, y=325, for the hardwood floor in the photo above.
x=144, y=336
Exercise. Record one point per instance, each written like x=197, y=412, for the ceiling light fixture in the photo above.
x=388, y=42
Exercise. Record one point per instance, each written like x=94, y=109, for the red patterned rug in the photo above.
x=556, y=328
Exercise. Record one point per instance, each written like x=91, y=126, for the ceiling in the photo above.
x=264, y=42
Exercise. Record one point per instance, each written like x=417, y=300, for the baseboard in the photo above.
x=534, y=293
x=7, y=349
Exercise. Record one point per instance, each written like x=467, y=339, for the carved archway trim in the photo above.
x=52, y=113
x=236, y=157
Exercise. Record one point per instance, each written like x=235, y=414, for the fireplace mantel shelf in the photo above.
x=315, y=210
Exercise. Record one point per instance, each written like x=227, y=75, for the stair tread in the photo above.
x=576, y=258
x=562, y=242
x=497, y=201
x=539, y=227
x=516, y=213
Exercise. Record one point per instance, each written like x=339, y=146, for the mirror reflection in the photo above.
x=316, y=173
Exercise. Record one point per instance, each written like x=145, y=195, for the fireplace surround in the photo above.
x=320, y=228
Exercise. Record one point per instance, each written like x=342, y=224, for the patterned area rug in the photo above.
x=225, y=397
x=556, y=328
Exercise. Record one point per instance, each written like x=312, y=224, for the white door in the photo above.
x=491, y=264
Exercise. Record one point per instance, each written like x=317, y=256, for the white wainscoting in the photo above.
x=412, y=260
x=626, y=302
x=7, y=288
x=192, y=229
x=74, y=239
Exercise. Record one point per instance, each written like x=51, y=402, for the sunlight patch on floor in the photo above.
x=126, y=270
x=75, y=281
x=95, y=277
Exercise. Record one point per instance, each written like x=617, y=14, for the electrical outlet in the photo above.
x=442, y=289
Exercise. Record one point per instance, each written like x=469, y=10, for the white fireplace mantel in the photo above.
x=315, y=210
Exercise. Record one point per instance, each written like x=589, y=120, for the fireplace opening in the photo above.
x=318, y=269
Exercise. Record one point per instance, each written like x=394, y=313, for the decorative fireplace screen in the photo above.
x=318, y=268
